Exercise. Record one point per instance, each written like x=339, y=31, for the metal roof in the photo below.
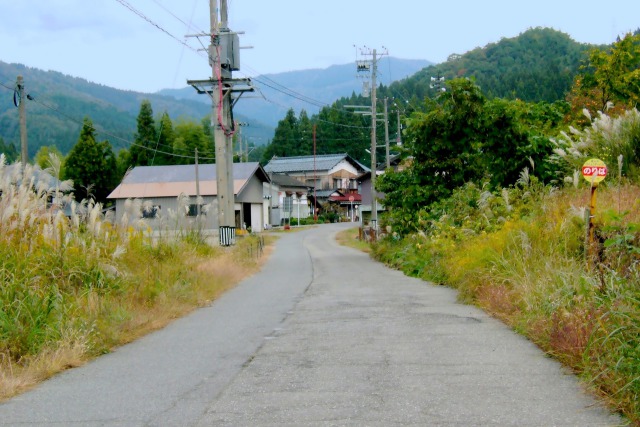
x=322, y=162
x=40, y=176
x=171, y=181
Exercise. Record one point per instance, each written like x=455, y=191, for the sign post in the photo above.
x=594, y=171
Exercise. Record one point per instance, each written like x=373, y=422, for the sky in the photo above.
x=110, y=43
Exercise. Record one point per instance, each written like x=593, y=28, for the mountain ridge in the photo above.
x=321, y=86
x=61, y=101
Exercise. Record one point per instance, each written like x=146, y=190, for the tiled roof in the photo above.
x=326, y=193
x=171, y=181
x=322, y=162
x=287, y=181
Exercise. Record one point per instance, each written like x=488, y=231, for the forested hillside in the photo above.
x=60, y=103
x=538, y=65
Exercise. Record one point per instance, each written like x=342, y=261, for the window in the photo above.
x=288, y=204
x=337, y=182
x=193, y=210
x=150, y=212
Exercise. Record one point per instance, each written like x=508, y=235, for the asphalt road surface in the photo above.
x=323, y=336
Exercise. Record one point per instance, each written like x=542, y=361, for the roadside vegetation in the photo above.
x=75, y=285
x=492, y=202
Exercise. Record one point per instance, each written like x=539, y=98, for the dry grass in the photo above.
x=16, y=378
x=122, y=318
x=351, y=238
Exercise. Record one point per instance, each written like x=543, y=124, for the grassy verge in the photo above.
x=351, y=238
x=75, y=287
x=532, y=269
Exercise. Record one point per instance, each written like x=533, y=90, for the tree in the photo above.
x=465, y=138
x=188, y=137
x=9, y=151
x=611, y=76
x=145, y=138
x=284, y=139
x=91, y=165
x=42, y=158
x=165, y=140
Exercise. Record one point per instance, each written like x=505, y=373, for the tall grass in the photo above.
x=74, y=285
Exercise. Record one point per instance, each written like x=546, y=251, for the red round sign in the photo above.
x=351, y=198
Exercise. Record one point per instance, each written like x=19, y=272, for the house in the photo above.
x=397, y=163
x=161, y=189
x=322, y=172
x=287, y=198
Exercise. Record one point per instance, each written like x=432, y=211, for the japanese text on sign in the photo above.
x=593, y=170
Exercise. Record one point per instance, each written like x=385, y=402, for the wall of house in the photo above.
x=252, y=191
x=344, y=171
x=167, y=214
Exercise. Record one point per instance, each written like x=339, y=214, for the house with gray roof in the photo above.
x=322, y=172
x=166, y=195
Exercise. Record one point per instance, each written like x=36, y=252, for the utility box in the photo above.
x=230, y=51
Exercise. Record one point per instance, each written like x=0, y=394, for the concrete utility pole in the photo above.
x=220, y=122
x=20, y=101
x=372, y=66
x=374, y=122
x=224, y=58
x=399, y=140
x=386, y=132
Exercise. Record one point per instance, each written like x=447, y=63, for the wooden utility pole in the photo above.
x=20, y=101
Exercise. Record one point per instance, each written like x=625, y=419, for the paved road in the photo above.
x=323, y=336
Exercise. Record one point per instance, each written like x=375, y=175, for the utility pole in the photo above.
x=399, y=140
x=224, y=58
x=19, y=101
x=242, y=147
x=239, y=140
x=222, y=132
x=197, y=191
x=374, y=122
x=386, y=133
x=372, y=66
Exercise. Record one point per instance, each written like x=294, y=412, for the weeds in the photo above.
x=74, y=285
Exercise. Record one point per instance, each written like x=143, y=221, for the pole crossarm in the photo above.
x=232, y=85
x=229, y=86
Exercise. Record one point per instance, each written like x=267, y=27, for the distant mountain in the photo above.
x=307, y=89
x=60, y=102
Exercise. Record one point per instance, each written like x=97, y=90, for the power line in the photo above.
x=261, y=78
x=143, y=16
